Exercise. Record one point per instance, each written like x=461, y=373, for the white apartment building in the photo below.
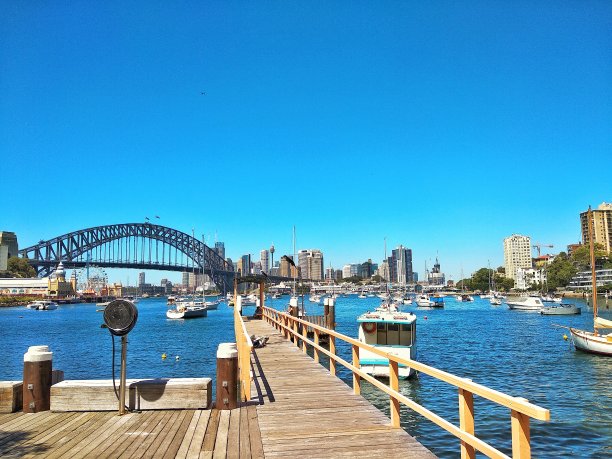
x=526, y=277
x=346, y=271
x=517, y=254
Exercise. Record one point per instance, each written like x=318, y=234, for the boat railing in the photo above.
x=520, y=409
x=245, y=347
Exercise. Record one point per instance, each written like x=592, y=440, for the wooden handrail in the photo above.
x=245, y=347
x=521, y=409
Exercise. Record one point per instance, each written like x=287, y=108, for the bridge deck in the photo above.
x=303, y=411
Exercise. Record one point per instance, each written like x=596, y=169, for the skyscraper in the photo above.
x=185, y=279
x=310, y=262
x=517, y=254
x=220, y=249
x=602, y=226
x=245, y=265
x=8, y=248
x=403, y=265
x=141, y=279
x=264, y=258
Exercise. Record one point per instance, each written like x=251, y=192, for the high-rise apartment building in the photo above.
x=517, y=254
x=220, y=249
x=403, y=265
x=141, y=279
x=244, y=265
x=185, y=279
x=602, y=226
x=346, y=271
x=264, y=258
x=287, y=267
x=310, y=262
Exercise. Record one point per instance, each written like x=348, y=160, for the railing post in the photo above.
x=356, y=377
x=295, y=333
x=466, y=421
x=521, y=448
x=316, y=350
x=304, y=334
x=394, y=384
x=332, y=350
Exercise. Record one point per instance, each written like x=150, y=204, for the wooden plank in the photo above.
x=37, y=438
x=211, y=432
x=198, y=437
x=71, y=438
x=222, y=434
x=245, y=441
x=173, y=447
x=109, y=432
x=233, y=438
x=165, y=431
x=122, y=437
x=143, y=439
x=184, y=446
x=254, y=433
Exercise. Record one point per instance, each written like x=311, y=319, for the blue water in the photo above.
x=519, y=353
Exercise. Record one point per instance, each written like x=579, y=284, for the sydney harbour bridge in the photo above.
x=132, y=245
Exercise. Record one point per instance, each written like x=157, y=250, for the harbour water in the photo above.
x=518, y=353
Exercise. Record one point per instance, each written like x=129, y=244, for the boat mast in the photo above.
x=594, y=279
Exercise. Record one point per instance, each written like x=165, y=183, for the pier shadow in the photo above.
x=11, y=445
x=259, y=378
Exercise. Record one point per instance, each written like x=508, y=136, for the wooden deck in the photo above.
x=298, y=410
x=150, y=434
x=303, y=411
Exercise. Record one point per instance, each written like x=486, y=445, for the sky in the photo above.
x=444, y=126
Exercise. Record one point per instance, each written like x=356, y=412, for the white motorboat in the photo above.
x=563, y=309
x=495, y=301
x=362, y=295
x=424, y=301
x=551, y=299
x=526, y=304
x=130, y=298
x=314, y=298
x=391, y=331
x=407, y=300
x=212, y=305
x=186, y=312
x=42, y=305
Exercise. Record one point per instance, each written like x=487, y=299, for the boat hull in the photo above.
x=587, y=342
x=560, y=310
x=189, y=313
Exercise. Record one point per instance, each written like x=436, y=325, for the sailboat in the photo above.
x=586, y=341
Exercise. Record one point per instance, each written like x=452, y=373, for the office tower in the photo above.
x=141, y=278
x=602, y=226
x=8, y=248
x=245, y=264
x=517, y=254
x=220, y=249
x=403, y=265
x=264, y=258
x=185, y=279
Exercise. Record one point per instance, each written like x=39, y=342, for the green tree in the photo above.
x=378, y=279
x=480, y=279
x=19, y=267
x=560, y=272
x=581, y=257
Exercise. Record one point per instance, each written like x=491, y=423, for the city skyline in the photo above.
x=247, y=120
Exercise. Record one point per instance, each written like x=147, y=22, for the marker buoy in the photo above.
x=565, y=337
x=164, y=356
x=177, y=358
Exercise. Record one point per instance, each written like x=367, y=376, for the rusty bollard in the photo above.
x=37, y=376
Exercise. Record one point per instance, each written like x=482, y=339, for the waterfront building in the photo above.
x=527, y=278
x=602, y=226
x=329, y=273
x=346, y=271
x=220, y=249
x=55, y=285
x=402, y=258
x=310, y=262
x=185, y=279
x=367, y=269
x=338, y=275
x=436, y=277
x=264, y=257
x=141, y=278
x=8, y=248
x=517, y=254
x=584, y=281
x=543, y=260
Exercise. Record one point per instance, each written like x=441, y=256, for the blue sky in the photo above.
x=443, y=126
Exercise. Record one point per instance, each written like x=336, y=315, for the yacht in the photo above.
x=563, y=309
x=42, y=305
x=390, y=331
x=424, y=301
x=530, y=303
x=183, y=311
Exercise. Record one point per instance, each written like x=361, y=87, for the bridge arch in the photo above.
x=125, y=246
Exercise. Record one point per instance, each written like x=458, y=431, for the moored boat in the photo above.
x=391, y=331
x=564, y=309
x=526, y=304
x=424, y=301
x=42, y=305
x=186, y=312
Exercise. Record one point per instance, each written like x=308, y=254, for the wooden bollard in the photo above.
x=227, y=377
x=330, y=314
x=37, y=376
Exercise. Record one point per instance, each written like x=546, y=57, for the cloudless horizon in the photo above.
x=442, y=126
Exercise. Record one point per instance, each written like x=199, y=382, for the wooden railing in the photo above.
x=245, y=346
x=520, y=409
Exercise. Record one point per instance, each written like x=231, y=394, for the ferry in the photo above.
x=391, y=331
x=42, y=305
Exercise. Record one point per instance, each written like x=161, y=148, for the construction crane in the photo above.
x=538, y=246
